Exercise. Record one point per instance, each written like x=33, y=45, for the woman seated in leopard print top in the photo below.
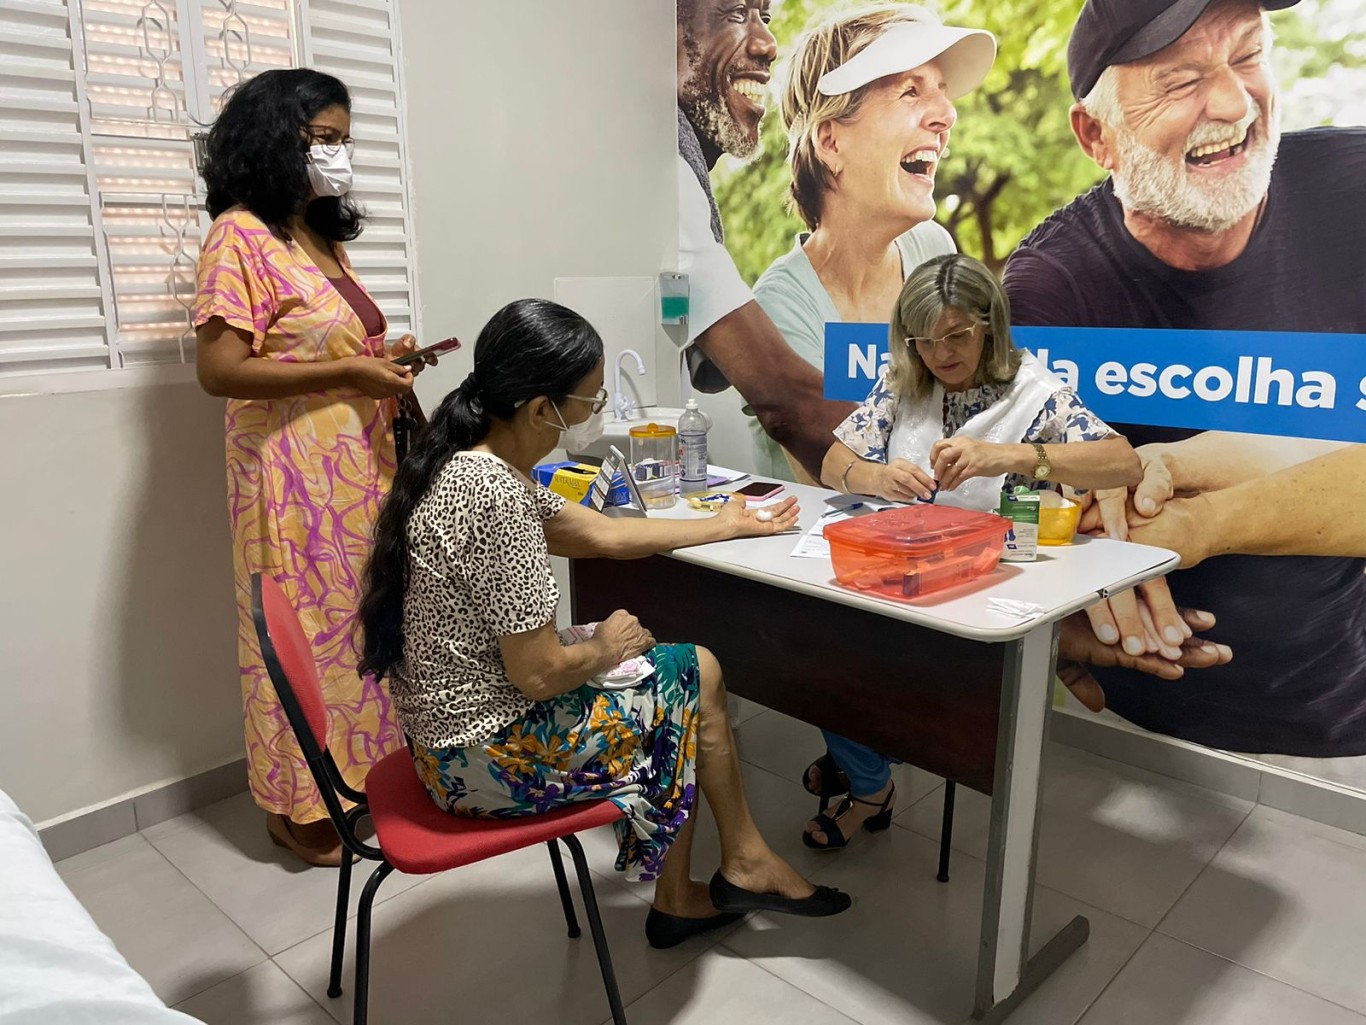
x=459, y=613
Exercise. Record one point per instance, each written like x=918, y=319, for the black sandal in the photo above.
x=835, y=840
x=834, y=783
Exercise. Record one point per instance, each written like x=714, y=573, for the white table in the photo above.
x=925, y=682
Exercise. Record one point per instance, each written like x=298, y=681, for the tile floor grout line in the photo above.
x=316, y=1002
x=961, y=852
x=1203, y=869
x=787, y=982
x=214, y=904
x=1257, y=971
x=1315, y=822
x=351, y=916
x=331, y=904
x=711, y=945
x=775, y=775
x=199, y=993
x=350, y=945
x=1139, y=774
x=1111, y=981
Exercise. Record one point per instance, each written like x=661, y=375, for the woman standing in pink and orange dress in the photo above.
x=288, y=335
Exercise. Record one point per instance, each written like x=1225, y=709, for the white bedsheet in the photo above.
x=56, y=967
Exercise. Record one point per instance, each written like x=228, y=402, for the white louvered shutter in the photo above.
x=357, y=40
x=52, y=305
x=101, y=212
x=140, y=106
x=157, y=71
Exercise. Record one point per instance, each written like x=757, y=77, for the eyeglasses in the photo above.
x=325, y=135
x=597, y=403
x=953, y=340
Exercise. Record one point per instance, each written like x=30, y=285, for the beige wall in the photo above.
x=542, y=145
x=116, y=610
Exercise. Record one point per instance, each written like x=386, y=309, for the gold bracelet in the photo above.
x=844, y=477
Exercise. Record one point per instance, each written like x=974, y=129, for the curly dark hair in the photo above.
x=257, y=152
x=531, y=347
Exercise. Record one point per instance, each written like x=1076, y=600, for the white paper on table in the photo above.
x=727, y=475
x=1019, y=610
x=813, y=544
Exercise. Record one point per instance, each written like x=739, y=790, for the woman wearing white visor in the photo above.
x=868, y=107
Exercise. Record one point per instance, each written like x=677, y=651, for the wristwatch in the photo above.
x=1043, y=469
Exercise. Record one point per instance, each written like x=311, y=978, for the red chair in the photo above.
x=414, y=835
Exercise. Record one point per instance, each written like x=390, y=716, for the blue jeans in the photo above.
x=867, y=770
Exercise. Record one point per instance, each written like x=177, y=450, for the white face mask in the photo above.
x=581, y=436
x=329, y=170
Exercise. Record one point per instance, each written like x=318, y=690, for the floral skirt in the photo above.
x=636, y=747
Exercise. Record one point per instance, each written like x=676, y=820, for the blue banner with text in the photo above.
x=1291, y=384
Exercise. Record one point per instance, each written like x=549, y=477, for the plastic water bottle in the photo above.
x=692, y=438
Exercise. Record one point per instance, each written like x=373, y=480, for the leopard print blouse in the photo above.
x=479, y=570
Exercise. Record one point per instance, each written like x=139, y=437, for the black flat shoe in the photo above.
x=726, y=896
x=665, y=930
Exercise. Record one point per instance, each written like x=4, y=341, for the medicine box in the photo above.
x=574, y=480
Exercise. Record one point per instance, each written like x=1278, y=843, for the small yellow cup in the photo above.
x=1058, y=525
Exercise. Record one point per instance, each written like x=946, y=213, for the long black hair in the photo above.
x=257, y=153
x=531, y=347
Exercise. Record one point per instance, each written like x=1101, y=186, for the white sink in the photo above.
x=616, y=432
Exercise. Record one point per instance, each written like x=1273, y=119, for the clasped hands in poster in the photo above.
x=1142, y=628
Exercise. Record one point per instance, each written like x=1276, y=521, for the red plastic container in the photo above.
x=907, y=553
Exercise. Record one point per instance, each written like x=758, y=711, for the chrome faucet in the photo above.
x=622, y=406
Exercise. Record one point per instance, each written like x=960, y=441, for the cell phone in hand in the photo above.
x=408, y=358
x=759, y=491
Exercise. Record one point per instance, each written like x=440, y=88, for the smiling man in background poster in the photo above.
x=1212, y=220
x=725, y=60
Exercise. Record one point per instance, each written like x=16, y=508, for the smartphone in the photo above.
x=759, y=491
x=449, y=345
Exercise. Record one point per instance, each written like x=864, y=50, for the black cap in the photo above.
x=1118, y=31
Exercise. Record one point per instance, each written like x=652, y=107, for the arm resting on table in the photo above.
x=576, y=532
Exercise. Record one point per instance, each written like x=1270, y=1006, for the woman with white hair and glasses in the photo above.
x=957, y=415
x=868, y=107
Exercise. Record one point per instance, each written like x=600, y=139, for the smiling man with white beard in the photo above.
x=1212, y=220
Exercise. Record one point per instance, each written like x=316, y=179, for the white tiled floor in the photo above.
x=1204, y=910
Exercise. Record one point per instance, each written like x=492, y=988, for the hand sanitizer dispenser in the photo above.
x=673, y=298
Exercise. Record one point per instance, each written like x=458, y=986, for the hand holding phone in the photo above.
x=420, y=355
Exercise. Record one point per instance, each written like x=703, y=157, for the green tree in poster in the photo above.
x=1013, y=159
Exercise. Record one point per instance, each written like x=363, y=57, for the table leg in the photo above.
x=1005, y=972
